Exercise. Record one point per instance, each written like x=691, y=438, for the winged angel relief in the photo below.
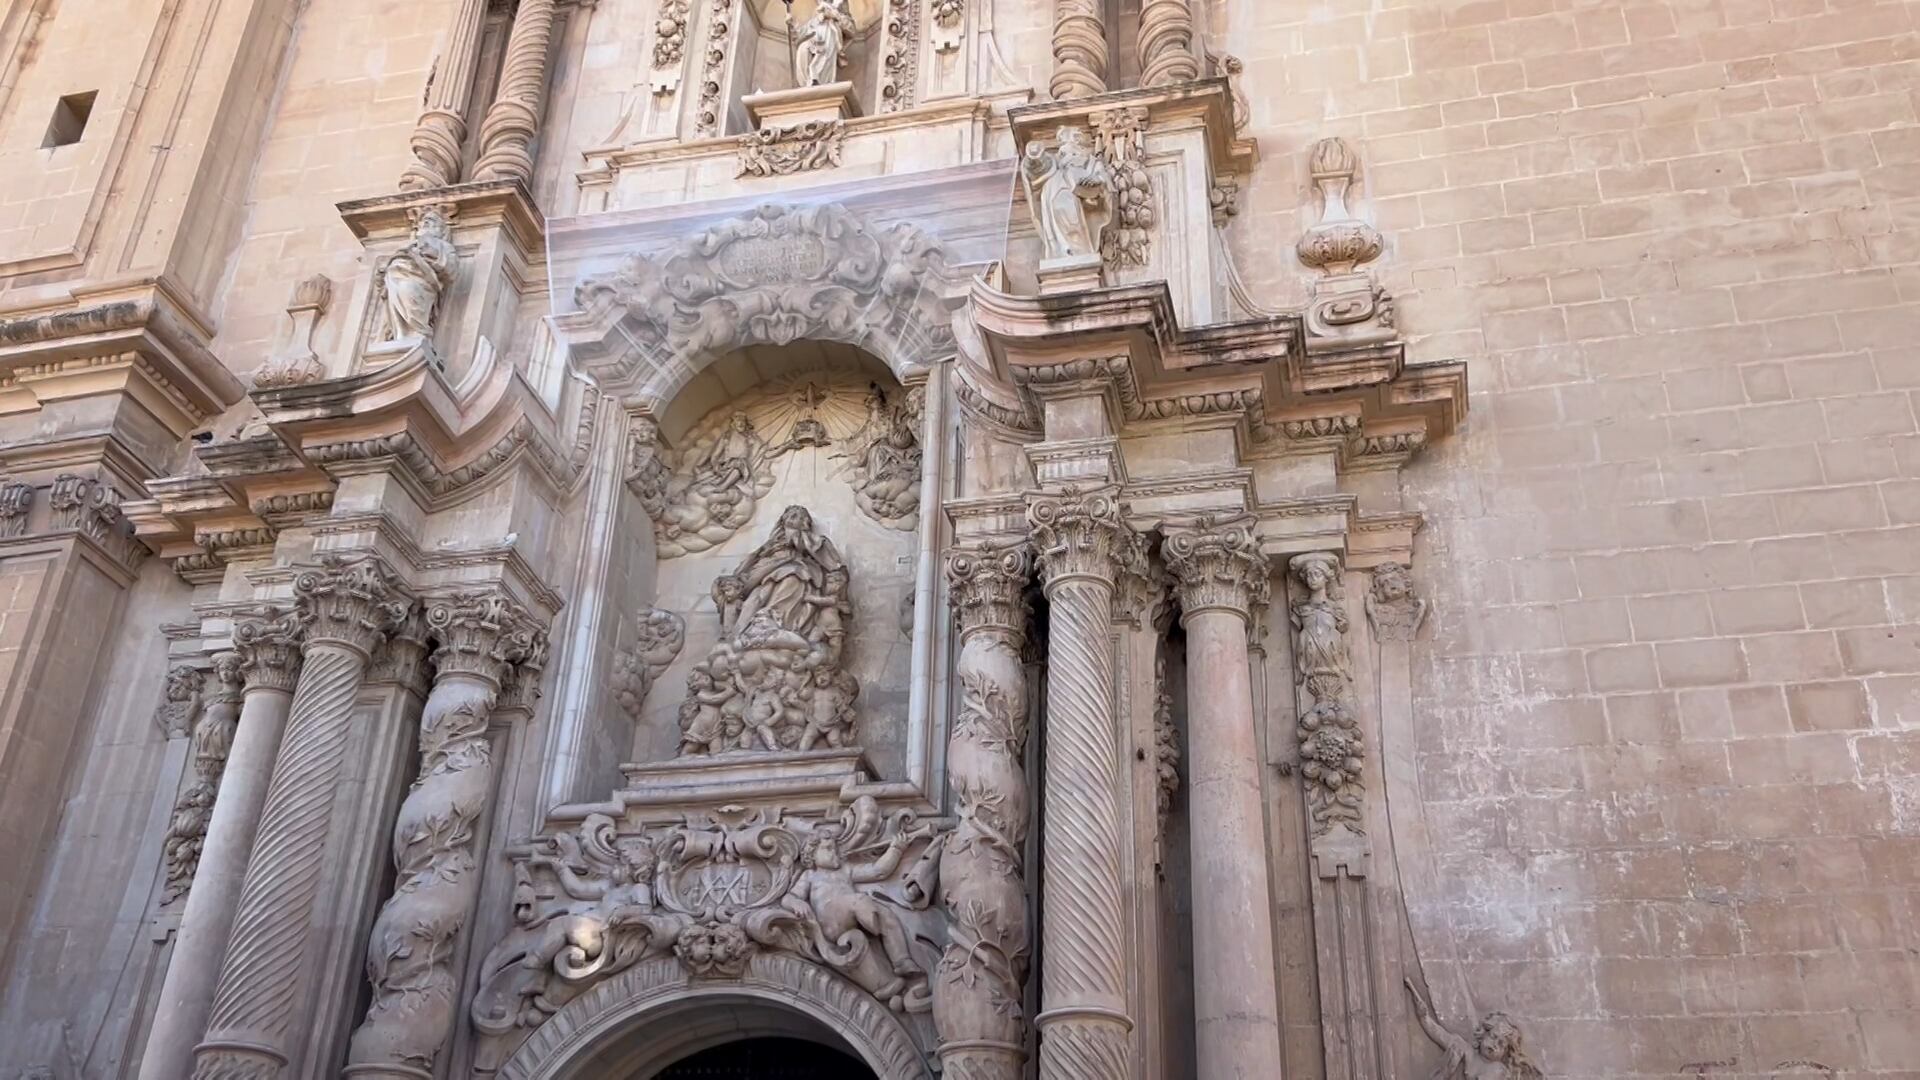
x=850, y=892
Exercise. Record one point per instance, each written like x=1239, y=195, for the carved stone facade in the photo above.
x=948, y=532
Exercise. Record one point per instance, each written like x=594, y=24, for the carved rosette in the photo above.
x=796, y=148
x=348, y=605
x=480, y=636
x=979, y=988
x=1332, y=748
x=1218, y=566
x=1081, y=540
x=1392, y=606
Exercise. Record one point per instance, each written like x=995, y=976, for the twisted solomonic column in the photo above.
x=506, y=135
x=1166, y=43
x=1222, y=579
x=348, y=606
x=482, y=637
x=1079, y=49
x=268, y=650
x=1082, y=542
x=979, y=988
x=442, y=125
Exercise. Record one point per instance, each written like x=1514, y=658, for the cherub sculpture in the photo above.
x=1493, y=1053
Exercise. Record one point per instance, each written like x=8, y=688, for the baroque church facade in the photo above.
x=912, y=538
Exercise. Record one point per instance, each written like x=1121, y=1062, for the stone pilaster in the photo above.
x=349, y=606
x=1079, y=49
x=1166, y=43
x=1080, y=540
x=506, y=136
x=267, y=649
x=979, y=989
x=441, y=828
x=442, y=126
x=1222, y=579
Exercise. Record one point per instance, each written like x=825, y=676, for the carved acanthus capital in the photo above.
x=16, y=499
x=402, y=659
x=1081, y=535
x=989, y=587
x=268, y=646
x=1218, y=566
x=1393, y=608
x=351, y=602
x=482, y=635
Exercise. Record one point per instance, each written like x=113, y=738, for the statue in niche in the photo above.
x=821, y=49
x=1493, y=1053
x=774, y=681
x=884, y=457
x=1069, y=189
x=416, y=277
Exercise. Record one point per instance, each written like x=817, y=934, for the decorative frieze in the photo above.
x=849, y=891
x=712, y=107
x=795, y=148
x=900, y=64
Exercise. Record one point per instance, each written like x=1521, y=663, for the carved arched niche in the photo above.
x=817, y=425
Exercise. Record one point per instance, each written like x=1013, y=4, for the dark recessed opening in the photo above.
x=69, y=119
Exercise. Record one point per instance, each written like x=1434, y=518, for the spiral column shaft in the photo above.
x=513, y=120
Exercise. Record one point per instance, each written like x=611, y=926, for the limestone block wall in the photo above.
x=1667, y=703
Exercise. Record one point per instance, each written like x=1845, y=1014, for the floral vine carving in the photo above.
x=1332, y=749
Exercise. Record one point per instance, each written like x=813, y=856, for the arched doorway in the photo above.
x=768, y=1059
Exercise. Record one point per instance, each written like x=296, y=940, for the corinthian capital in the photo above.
x=483, y=634
x=1218, y=566
x=989, y=586
x=268, y=645
x=1082, y=535
x=352, y=602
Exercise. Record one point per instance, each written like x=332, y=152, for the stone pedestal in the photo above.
x=771, y=109
x=1070, y=273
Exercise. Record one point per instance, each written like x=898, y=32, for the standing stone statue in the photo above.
x=821, y=50
x=416, y=277
x=1068, y=188
x=1493, y=1053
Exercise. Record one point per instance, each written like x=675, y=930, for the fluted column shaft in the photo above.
x=1084, y=1026
x=979, y=989
x=1166, y=43
x=270, y=657
x=442, y=125
x=1222, y=580
x=1079, y=49
x=437, y=839
x=251, y=1026
x=506, y=136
